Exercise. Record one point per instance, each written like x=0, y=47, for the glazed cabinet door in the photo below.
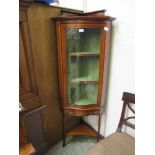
x=83, y=63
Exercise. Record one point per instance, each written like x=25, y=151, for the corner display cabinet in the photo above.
x=83, y=41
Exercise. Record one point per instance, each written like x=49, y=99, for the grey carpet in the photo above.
x=74, y=146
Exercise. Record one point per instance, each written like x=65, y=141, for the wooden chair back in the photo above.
x=128, y=100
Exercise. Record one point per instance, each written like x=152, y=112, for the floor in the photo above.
x=74, y=146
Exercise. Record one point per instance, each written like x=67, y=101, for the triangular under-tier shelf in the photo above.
x=82, y=129
x=84, y=54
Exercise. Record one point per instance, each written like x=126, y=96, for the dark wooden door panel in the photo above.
x=24, y=77
x=28, y=85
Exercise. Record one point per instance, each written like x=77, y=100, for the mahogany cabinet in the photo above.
x=83, y=42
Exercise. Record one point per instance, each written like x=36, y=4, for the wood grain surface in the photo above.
x=43, y=41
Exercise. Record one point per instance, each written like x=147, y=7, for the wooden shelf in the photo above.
x=84, y=80
x=81, y=130
x=83, y=54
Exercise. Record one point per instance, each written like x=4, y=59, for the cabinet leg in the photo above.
x=99, y=124
x=63, y=131
x=64, y=141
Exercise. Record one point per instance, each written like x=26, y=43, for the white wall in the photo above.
x=122, y=60
x=74, y=4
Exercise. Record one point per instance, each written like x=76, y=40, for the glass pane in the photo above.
x=83, y=55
